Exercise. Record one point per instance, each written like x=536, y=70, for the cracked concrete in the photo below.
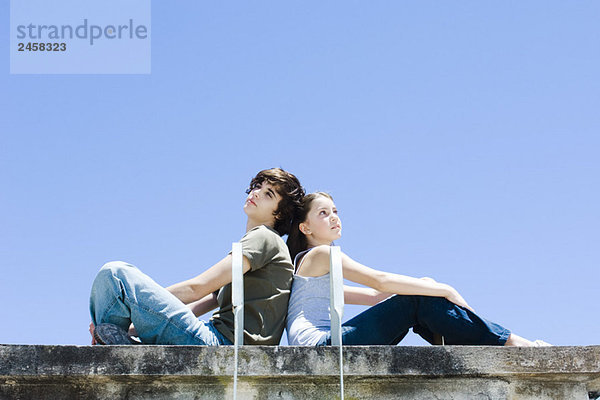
x=272, y=372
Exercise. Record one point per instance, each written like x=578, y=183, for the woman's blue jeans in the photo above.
x=389, y=321
x=122, y=294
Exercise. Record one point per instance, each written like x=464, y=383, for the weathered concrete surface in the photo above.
x=381, y=372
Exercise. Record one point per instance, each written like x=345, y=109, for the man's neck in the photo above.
x=253, y=224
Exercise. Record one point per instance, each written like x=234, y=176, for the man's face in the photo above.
x=261, y=203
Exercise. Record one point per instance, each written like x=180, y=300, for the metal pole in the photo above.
x=237, y=301
x=336, y=308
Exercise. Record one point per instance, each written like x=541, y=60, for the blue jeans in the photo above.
x=122, y=294
x=389, y=321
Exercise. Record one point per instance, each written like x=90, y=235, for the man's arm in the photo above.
x=207, y=282
x=204, y=305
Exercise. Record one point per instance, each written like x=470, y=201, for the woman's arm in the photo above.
x=363, y=296
x=316, y=263
x=399, y=284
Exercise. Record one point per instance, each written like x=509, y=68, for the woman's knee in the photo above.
x=432, y=304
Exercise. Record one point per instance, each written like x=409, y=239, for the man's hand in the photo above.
x=132, y=331
x=92, y=329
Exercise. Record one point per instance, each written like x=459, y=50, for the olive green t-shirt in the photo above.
x=266, y=289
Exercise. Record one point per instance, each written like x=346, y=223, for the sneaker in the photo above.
x=540, y=343
x=111, y=334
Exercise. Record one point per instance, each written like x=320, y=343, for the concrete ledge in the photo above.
x=434, y=372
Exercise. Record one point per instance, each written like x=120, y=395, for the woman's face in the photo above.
x=322, y=224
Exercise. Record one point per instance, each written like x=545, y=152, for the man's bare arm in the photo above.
x=207, y=282
x=204, y=305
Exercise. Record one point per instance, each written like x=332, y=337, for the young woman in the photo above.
x=432, y=309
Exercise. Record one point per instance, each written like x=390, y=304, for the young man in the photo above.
x=122, y=295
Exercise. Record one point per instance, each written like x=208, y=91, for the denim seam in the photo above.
x=106, y=311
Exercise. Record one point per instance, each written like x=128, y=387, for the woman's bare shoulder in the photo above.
x=315, y=262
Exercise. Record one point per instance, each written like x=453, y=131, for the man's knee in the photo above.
x=114, y=268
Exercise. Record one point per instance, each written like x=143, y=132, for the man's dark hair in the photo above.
x=290, y=190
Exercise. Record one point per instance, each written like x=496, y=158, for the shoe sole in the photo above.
x=109, y=334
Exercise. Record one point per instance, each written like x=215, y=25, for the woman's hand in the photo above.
x=453, y=296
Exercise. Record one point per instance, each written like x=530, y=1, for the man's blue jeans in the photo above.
x=389, y=321
x=122, y=294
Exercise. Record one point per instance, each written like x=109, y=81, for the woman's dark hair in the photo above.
x=296, y=240
x=290, y=190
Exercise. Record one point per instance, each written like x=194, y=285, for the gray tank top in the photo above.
x=308, y=319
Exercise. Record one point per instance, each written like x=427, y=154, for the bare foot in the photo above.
x=515, y=340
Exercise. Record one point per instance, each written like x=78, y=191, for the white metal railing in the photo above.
x=237, y=301
x=336, y=308
x=336, y=284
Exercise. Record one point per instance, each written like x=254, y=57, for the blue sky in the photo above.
x=459, y=139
